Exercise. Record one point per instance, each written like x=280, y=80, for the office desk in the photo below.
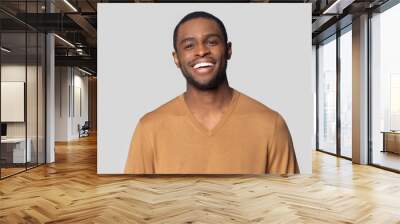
x=13, y=150
x=391, y=141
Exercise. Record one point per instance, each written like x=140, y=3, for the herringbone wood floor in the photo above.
x=70, y=191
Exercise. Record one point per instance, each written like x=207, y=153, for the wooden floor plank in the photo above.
x=70, y=191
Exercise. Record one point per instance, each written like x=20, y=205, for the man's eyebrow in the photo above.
x=186, y=39
x=206, y=36
x=214, y=35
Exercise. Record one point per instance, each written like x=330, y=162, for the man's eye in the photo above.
x=188, y=46
x=212, y=42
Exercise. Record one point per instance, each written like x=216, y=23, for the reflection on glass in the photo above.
x=346, y=94
x=386, y=89
x=41, y=98
x=31, y=101
x=327, y=96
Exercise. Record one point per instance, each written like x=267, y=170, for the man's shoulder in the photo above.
x=167, y=110
x=251, y=106
x=255, y=110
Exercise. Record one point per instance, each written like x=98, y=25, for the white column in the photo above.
x=50, y=100
x=50, y=91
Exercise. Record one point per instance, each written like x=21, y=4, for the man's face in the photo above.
x=201, y=53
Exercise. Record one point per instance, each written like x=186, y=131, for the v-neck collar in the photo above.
x=220, y=123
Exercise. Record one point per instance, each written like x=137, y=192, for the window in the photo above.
x=385, y=88
x=346, y=93
x=327, y=96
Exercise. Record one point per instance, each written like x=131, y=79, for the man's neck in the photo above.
x=209, y=101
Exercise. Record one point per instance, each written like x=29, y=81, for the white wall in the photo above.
x=79, y=117
x=61, y=103
x=17, y=72
x=68, y=81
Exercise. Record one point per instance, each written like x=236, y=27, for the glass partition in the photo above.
x=31, y=100
x=41, y=109
x=13, y=94
x=22, y=77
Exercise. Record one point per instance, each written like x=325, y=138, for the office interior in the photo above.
x=48, y=90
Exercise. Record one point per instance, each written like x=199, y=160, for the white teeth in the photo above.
x=202, y=64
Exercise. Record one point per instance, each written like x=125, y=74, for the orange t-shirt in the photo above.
x=250, y=138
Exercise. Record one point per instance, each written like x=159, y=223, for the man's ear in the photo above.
x=176, y=60
x=228, y=50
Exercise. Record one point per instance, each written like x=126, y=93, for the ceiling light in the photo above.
x=330, y=7
x=337, y=7
x=5, y=50
x=84, y=71
x=70, y=5
x=64, y=40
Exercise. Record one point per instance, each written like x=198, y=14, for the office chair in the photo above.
x=84, y=130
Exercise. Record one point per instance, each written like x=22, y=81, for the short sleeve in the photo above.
x=281, y=157
x=140, y=157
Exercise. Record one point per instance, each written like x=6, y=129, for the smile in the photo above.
x=203, y=67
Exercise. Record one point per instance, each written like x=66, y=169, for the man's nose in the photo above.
x=202, y=50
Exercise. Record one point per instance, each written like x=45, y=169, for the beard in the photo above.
x=212, y=84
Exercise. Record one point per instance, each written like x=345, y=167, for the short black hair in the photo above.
x=200, y=14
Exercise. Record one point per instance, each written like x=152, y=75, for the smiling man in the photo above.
x=211, y=128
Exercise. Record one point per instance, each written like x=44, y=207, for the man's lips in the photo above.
x=203, y=70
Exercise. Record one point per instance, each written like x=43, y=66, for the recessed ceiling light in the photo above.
x=5, y=50
x=337, y=7
x=64, y=40
x=84, y=71
x=70, y=5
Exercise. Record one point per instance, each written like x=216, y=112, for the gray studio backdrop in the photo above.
x=271, y=62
